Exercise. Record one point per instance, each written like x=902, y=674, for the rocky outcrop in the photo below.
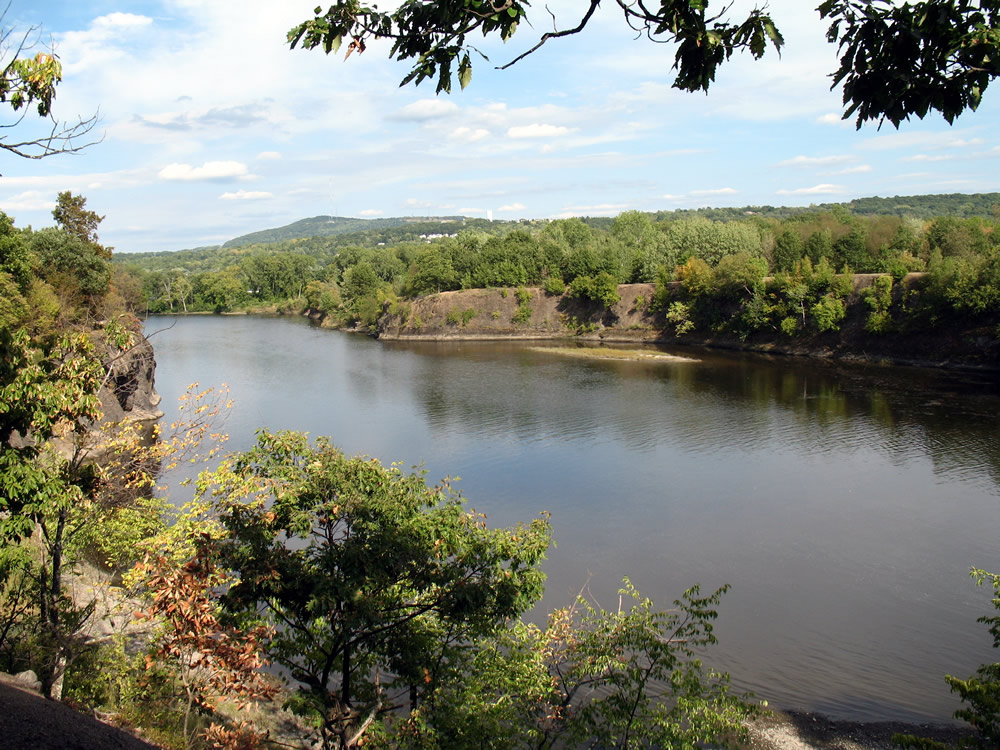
x=129, y=391
x=499, y=314
x=29, y=722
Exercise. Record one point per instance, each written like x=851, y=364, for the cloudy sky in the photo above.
x=212, y=128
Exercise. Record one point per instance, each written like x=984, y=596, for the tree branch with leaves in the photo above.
x=28, y=81
x=897, y=59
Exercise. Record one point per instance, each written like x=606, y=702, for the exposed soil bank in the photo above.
x=486, y=314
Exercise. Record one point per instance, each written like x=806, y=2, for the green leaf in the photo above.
x=774, y=34
x=975, y=96
x=464, y=72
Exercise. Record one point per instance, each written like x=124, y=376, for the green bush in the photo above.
x=112, y=540
x=790, y=325
x=828, y=312
x=878, y=297
x=678, y=315
x=696, y=277
x=453, y=317
x=602, y=288
x=968, y=284
x=739, y=275
x=467, y=315
x=108, y=677
x=554, y=286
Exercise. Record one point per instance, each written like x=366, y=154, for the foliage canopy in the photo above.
x=897, y=59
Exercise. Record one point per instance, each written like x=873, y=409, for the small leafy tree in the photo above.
x=71, y=215
x=45, y=396
x=374, y=580
x=828, y=312
x=626, y=678
x=878, y=297
x=212, y=661
x=679, y=315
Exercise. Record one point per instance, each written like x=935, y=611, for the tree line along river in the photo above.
x=843, y=504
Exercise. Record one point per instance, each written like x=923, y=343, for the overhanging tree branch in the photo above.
x=62, y=139
x=556, y=34
x=898, y=59
x=27, y=79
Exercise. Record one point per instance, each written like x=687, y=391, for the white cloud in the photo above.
x=371, y=212
x=824, y=189
x=245, y=195
x=513, y=207
x=860, y=169
x=671, y=197
x=93, y=48
x=269, y=155
x=830, y=118
x=930, y=140
x=931, y=158
x=210, y=170
x=963, y=143
x=716, y=191
x=418, y=203
x=30, y=200
x=814, y=161
x=472, y=210
x=121, y=21
x=426, y=109
x=537, y=130
x=469, y=135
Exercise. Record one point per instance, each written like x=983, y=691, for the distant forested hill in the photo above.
x=323, y=237
x=320, y=237
x=957, y=205
x=326, y=226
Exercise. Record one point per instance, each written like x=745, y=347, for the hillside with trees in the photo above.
x=767, y=274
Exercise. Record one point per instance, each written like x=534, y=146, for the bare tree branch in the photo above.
x=62, y=139
x=555, y=34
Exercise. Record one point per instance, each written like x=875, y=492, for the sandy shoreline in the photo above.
x=628, y=355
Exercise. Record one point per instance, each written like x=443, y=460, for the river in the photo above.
x=844, y=505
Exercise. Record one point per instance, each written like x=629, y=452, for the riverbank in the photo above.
x=29, y=722
x=807, y=731
x=499, y=314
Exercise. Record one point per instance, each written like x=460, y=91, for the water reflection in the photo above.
x=844, y=504
x=753, y=404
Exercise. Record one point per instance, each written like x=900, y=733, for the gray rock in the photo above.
x=28, y=679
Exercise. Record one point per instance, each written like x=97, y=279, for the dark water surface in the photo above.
x=845, y=505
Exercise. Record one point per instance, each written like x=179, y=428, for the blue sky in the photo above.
x=212, y=128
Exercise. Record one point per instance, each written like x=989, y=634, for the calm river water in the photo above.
x=845, y=505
